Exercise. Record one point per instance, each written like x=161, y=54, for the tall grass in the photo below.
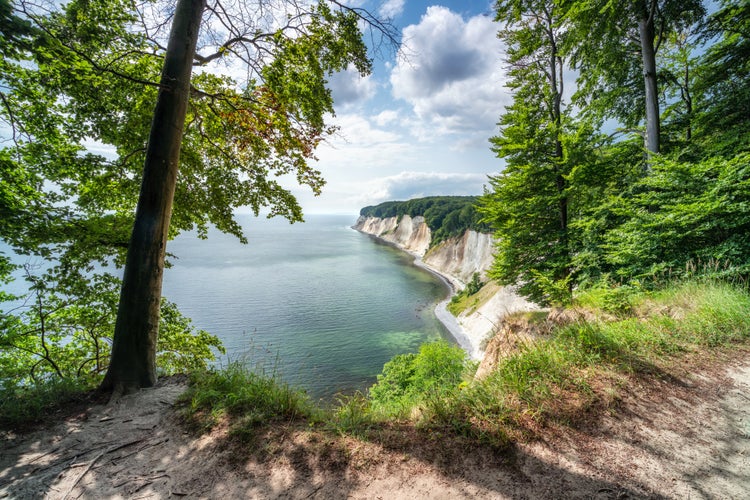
x=22, y=407
x=580, y=364
x=247, y=399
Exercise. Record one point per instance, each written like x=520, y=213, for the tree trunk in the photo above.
x=647, y=34
x=556, y=87
x=688, y=99
x=133, y=361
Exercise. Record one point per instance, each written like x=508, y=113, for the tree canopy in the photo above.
x=636, y=211
x=85, y=76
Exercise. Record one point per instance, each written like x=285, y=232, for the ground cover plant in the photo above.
x=577, y=367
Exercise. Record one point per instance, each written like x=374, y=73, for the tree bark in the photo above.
x=555, y=79
x=133, y=360
x=648, y=52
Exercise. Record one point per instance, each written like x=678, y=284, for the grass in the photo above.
x=575, y=368
x=244, y=399
x=584, y=361
x=23, y=408
x=463, y=302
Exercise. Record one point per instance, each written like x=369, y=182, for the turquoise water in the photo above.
x=319, y=303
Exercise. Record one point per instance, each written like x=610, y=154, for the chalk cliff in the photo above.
x=410, y=234
x=456, y=259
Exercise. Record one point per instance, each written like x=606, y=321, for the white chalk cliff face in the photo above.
x=409, y=234
x=457, y=259
x=463, y=256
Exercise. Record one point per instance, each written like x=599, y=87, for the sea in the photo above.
x=317, y=304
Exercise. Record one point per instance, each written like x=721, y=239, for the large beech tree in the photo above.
x=190, y=145
x=614, y=47
x=292, y=68
x=133, y=360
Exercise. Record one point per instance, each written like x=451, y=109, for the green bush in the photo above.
x=408, y=380
x=63, y=331
x=682, y=219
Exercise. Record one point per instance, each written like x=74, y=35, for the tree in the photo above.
x=613, y=46
x=528, y=205
x=210, y=145
x=679, y=77
x=722, y=84
x=133, y=360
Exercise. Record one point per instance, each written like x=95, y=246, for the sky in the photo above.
x=420, y=123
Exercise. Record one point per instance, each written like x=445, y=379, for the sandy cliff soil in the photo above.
x=682, y=435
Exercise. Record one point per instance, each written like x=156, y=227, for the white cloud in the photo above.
x=408, y=185
x=353, y=3
x=358, y=131
x=451, y=73
x=386, y=117
x=349, y=88
x=391, y=8
x=359, y=147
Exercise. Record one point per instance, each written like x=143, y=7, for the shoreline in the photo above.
x=450, y=322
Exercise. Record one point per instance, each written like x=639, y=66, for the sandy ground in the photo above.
x=672, y=437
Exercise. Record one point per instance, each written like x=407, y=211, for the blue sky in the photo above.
x=419, y=124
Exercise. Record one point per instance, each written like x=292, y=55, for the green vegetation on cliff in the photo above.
x=446, y=216
x=574, y=204
x=563, y=364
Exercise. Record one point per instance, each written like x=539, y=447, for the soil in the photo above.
x=681, y=435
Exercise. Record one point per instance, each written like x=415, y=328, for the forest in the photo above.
x=623, y=160
x=625, y=147
x=446, y=216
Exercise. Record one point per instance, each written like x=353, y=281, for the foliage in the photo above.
x=62, y=331
x=608, y=297
x=532, y=202
x=474, y=285
x=446, y=216
x=459, y=302
x=681, y=213
x=22, y=407
x=592, y=211
x=410, y=380
x=352, y=414
x=248, y=399
x=87, y=72
x=723, y=81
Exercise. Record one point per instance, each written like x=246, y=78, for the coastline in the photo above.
x=450, y=322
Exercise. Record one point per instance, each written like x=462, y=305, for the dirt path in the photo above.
x=676, y=438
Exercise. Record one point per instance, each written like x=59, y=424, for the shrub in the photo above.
x=408, y=380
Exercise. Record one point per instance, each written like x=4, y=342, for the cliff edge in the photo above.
x=456, y=259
